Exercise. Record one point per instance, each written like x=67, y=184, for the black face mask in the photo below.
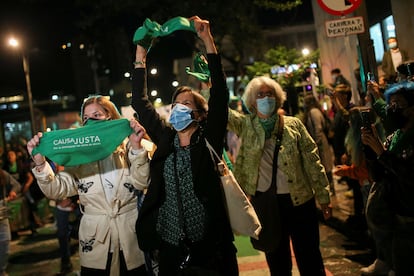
x=91, y=119
x=395, y=118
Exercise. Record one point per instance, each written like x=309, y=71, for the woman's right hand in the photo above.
x=34, y=142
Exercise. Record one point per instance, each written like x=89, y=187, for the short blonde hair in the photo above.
x=253, y=87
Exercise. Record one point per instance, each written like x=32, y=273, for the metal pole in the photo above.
x=26, y=70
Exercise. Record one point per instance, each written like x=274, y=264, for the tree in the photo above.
x=235, y=23
x=289, y=68
x=109, y=25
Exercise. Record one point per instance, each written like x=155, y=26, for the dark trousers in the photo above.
x=139, y=271
x=300, y=225
x=358, y=198
x=222, y=261
x=63, y=234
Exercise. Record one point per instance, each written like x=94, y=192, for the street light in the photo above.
x=15, y=44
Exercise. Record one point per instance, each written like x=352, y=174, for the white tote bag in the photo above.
x=243, y=218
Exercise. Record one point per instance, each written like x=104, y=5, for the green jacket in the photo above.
x=298, y=158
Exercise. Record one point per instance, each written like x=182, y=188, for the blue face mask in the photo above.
x=181, y=117
x=266, y=105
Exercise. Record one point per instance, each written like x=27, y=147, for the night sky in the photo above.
x=45, y=25
x=41, y=29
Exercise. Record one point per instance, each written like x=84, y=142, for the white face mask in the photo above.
x=392, y=45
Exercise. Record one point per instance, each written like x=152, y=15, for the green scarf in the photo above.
x=151, y=29
x=92, y=142
x=268, y=125
x=201, y=71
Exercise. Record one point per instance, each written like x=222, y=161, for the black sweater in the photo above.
x=206, y=181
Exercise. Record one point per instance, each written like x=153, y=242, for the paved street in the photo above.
x=345, y=249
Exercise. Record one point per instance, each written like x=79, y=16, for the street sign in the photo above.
x=344, y=27
x=339, y=7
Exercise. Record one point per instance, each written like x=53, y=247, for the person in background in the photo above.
x=316, y=123
x=357, y=167
x=21, y=172
x=9, y=188
x=341, y=100
x=391, y=59
x=392, y=169
x=300, y=176
x=64, y=208
x=107, y=241
x=183, y=216
x=406, y=71
x=337, y=79
x=3, y=158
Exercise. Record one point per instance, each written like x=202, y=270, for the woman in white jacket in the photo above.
x=107, y=241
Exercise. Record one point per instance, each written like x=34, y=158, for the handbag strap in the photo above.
x=220, y=165
x=279, y=136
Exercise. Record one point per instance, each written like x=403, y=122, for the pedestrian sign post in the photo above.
x=339, y=7
x=344, y=27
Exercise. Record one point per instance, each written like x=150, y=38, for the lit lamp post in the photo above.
x=15, y=43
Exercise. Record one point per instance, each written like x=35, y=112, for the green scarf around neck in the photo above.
x=151, y=29
x=92, y=142
x=268, y=125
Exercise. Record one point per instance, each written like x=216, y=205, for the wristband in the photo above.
x=141, y=62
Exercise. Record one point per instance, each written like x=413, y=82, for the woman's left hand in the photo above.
x=139, y=133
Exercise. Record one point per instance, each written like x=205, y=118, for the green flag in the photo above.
x=92, y=142
x=201, y=71
x=151, y=29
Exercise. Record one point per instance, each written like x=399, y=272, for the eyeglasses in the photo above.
x=262, y=94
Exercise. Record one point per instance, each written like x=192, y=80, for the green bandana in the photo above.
x=92, y=142
x=151, y=29
x=268, y=125
x=201, y=71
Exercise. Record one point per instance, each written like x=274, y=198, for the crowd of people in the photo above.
x=138, y=207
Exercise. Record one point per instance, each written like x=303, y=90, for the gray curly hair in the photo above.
x=253, y=87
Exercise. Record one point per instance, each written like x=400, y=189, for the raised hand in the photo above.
x=38, y=159
x=139, y=133
x=202, y=28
